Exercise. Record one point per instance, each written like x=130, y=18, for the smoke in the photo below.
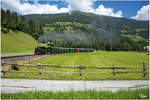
x=105, y=30
x=100, y=31
x=77, y=37
x=68, y=36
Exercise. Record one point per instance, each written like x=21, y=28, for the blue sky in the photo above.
x=129, y=9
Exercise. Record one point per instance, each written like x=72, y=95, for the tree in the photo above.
x=3, y=18
x=21, y=21
x=14, y=21
x=127, y=46
x=8, y=19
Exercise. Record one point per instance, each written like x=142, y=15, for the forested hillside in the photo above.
x=11, y=21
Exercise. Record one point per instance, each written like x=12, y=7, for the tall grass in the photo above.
x=87, y=94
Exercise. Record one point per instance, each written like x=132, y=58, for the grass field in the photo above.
x=99, y=59
x=17, y=42
x=88, y=94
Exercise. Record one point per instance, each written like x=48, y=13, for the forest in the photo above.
x=10, y=20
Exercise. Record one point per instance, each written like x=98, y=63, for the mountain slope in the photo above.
x=106, y=23
x=17, y=42
x=86, y=18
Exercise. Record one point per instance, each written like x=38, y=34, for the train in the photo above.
x=59, y=50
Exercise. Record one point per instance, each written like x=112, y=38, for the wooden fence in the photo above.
x=39, y=66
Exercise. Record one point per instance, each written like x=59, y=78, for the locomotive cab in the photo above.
x=40, y=51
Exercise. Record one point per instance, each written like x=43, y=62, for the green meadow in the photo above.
x=99, y=59
x=87, y=94
x=17, y=42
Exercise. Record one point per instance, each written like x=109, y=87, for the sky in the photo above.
x=135, y=9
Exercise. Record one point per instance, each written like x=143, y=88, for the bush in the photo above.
x=5, y=30
x=14, y=67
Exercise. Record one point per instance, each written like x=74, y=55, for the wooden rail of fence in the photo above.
x=39, y=66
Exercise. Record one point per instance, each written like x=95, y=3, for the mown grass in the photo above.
x=87, y=94
x=99, y=59
x=17, y=42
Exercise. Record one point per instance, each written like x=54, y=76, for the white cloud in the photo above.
x=36, y=8
x=82, y=5
x=10, y=4
x=143, y=13
x=107, y=11
x=27, y=8
x=87, y=6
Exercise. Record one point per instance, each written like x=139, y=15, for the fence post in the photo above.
x=114, y=69
x=80, y=70
x=39, y=69
x=144, y=69
x=2, y=69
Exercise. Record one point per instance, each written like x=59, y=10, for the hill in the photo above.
x=17, y=42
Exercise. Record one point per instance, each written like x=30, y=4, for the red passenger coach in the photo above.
x=37, y=53
x=77, y=50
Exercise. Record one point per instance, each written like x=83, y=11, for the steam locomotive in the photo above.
x=59, y=50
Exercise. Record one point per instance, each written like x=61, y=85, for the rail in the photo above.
x=16, y=55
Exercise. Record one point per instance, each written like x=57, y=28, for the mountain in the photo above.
x=73, y=16
x=106, y=23
x=86, y=18
x=90, y=28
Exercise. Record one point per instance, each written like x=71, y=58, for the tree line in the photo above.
x=10, y=20
x=122, y=45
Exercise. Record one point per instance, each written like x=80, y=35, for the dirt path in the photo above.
x=22, y=85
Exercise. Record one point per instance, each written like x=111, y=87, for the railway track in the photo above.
x=14, y=58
